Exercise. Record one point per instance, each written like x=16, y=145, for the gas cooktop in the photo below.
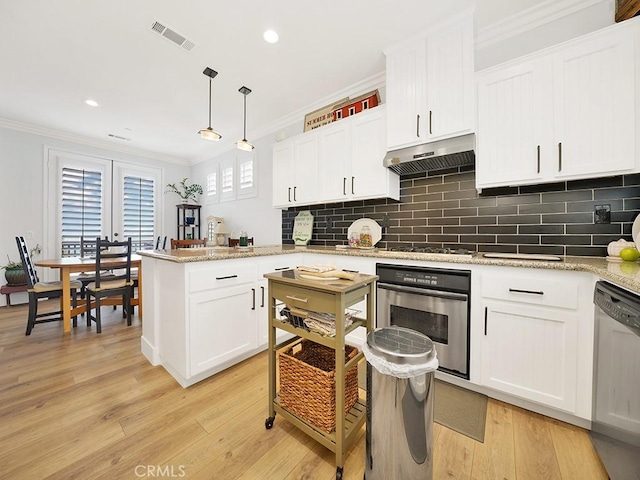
x=459, y=252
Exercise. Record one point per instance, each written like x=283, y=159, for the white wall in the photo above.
x=22, y=180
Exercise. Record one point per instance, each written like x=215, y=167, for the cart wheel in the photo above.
x=338, y=473
x=268, y=423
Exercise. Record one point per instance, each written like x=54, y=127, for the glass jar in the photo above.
x=243, y=239
x=366, y=240
x=354, y=239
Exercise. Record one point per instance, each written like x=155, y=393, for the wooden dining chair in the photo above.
x=118, y=283
x=161, y=245
x=37, y=290
x=88, y=249
x=188, y=243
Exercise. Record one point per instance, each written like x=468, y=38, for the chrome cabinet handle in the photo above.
x=344, y=185
x=253, y=293
x=352, y=187
x=294, y=194
x=261, y=297
x=538, y=158
x=280, y=268
x=430, y=121
x=289, y=195
x=418, y=125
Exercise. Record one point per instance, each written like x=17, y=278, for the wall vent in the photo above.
x=119, y=137
x=173, y=36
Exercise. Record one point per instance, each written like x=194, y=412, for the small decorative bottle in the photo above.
x=366, y=240
x=243, y=239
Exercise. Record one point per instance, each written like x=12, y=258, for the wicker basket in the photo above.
x=307, y=383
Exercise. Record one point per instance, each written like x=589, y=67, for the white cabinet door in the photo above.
x=369, y=178
x=531, y=352
x=514, y=124
x=405, y=78
x=305, y=187
x=335, y=154
x=595, y=92
x=449, y=81
x=283, y=174
x=222, y=326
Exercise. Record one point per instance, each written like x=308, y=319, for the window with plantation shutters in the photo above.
x=212, y=187
x=227, y=187
x=81, y=201
x=246, y=176
x=138, y=211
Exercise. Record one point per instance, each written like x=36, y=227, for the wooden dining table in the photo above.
x=69, y=265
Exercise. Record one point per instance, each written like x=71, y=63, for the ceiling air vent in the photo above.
x=172, y=35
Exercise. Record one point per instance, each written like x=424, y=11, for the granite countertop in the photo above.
x=625, y=274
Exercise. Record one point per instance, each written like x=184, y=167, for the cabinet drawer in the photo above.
x=278, y=263
x=544, y=292
x=304, y=298
x=207, y=278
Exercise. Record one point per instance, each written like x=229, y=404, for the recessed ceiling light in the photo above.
x=91, y=103
x=270, y=36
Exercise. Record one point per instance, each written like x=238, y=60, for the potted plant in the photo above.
x=186, y=192
x=14, y=272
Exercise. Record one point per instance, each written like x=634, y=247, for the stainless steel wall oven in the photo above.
x=433, y=301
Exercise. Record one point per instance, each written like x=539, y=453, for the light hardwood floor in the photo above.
x=87, y=406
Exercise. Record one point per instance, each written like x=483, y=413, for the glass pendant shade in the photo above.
x=244, y=144
x=210, y=134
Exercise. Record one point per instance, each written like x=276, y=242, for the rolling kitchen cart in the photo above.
x=331, y=296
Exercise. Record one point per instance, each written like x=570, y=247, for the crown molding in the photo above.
x=92, y=142
x=531, y=18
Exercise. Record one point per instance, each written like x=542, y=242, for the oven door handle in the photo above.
x=427, y=292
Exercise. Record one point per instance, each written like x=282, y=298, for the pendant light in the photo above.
x=244, y=144
x=209, y=133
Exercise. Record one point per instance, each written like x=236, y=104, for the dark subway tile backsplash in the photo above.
x=442, y=209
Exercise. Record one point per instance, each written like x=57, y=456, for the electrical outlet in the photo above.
x=603, y=214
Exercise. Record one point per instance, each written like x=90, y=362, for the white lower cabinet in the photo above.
x=531, y=352
x=222, y=326
x=537, y=337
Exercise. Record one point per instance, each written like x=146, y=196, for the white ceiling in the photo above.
x=56, y=54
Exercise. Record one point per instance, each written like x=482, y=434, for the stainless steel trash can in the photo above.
x=399, y=437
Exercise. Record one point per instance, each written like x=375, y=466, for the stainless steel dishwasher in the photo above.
x=615, y=430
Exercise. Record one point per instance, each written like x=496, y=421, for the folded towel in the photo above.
x=316, y=268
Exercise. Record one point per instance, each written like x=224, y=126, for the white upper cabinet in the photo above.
x=595, y=105
x=352, y=150
x=566, y=113
x=295, y=171
x=512, y=132
x=338, y=162
x=449, y=85
x=405, y=74
x=430, y=92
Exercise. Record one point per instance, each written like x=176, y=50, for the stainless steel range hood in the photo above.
x=448, y=153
